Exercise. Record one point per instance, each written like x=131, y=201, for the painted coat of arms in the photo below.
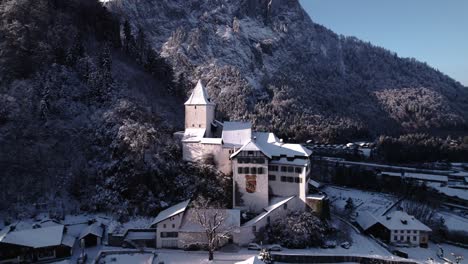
x=250, y=183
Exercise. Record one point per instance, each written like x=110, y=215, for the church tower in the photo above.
x=199, y=110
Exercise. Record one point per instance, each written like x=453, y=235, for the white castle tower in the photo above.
x=199, y=110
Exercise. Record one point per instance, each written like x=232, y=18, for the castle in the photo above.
x=264, y=168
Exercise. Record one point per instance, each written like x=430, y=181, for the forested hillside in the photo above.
x=83, y=118
x=268, y=62
x=90, y=95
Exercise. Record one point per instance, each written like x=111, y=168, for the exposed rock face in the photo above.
x=267, y=61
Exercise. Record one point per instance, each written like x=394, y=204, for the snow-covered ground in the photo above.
x=127, y=258
x=373, y=202
x=424, y=254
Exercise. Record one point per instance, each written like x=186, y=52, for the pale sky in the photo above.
x=432, y=31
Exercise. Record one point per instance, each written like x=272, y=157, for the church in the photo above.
x=265, y=170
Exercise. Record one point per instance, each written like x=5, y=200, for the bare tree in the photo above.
x=424, y=212
x=215, y=223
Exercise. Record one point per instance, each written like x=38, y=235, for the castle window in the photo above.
x=260, y=160
x=273, y=168
x=290, y=169
x=246, y=170
x=239, y=170
x=297, y=180
x=253, y=170
x=298, y=169
x=284, y=169
x=260, y=170
x=283, y=178
x=290, y=179
x=272, y=177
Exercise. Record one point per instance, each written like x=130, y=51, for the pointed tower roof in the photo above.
x=199, y=96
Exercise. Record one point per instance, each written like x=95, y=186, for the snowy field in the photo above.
x=424, y=254
x=137, y=258
x=375, y=203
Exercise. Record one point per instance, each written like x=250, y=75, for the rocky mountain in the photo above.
x=89, y=102
x=267, y=61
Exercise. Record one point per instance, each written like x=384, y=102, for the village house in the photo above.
x=37, y=244
x=396, y=228
x=177, y=226
x=92, y=235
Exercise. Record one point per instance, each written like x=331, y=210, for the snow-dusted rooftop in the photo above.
x=250, y=146
x=236, y=133
x=397, y=220
x=214, y=141
x=275, y=203
x=68, y=240
x=365, y=220
x=171, y=211
x=417, y=176
x=36, y=238
x=193, y=134
x=199, y=96
x=269, y=144
x=231, y=222
x=93, y=229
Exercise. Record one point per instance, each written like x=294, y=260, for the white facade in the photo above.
x=264, y=169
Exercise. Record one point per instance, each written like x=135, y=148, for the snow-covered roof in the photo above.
x=199, y=96
x=35, y=238
x=451, y=192
x=316, y=196
x=418, y=176
x=270, y=143
x=170, y=212
x=275, y=203
x=193, y=134
x=93, y=229
x=250, y=146
x=231, y=222
x=399, y=220
x=365, y=220
x=236, y=133
x=316, y=184
x=68, y=240
x=459, y=174
x=215, y=141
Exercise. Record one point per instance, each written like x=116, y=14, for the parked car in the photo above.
x=275, y=248
x=345, y=245
x=254, y=246
x=329, y=244
x=192, y=247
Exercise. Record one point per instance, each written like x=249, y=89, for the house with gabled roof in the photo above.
x=37, y=244
x=167, y=224
x=396, y=227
